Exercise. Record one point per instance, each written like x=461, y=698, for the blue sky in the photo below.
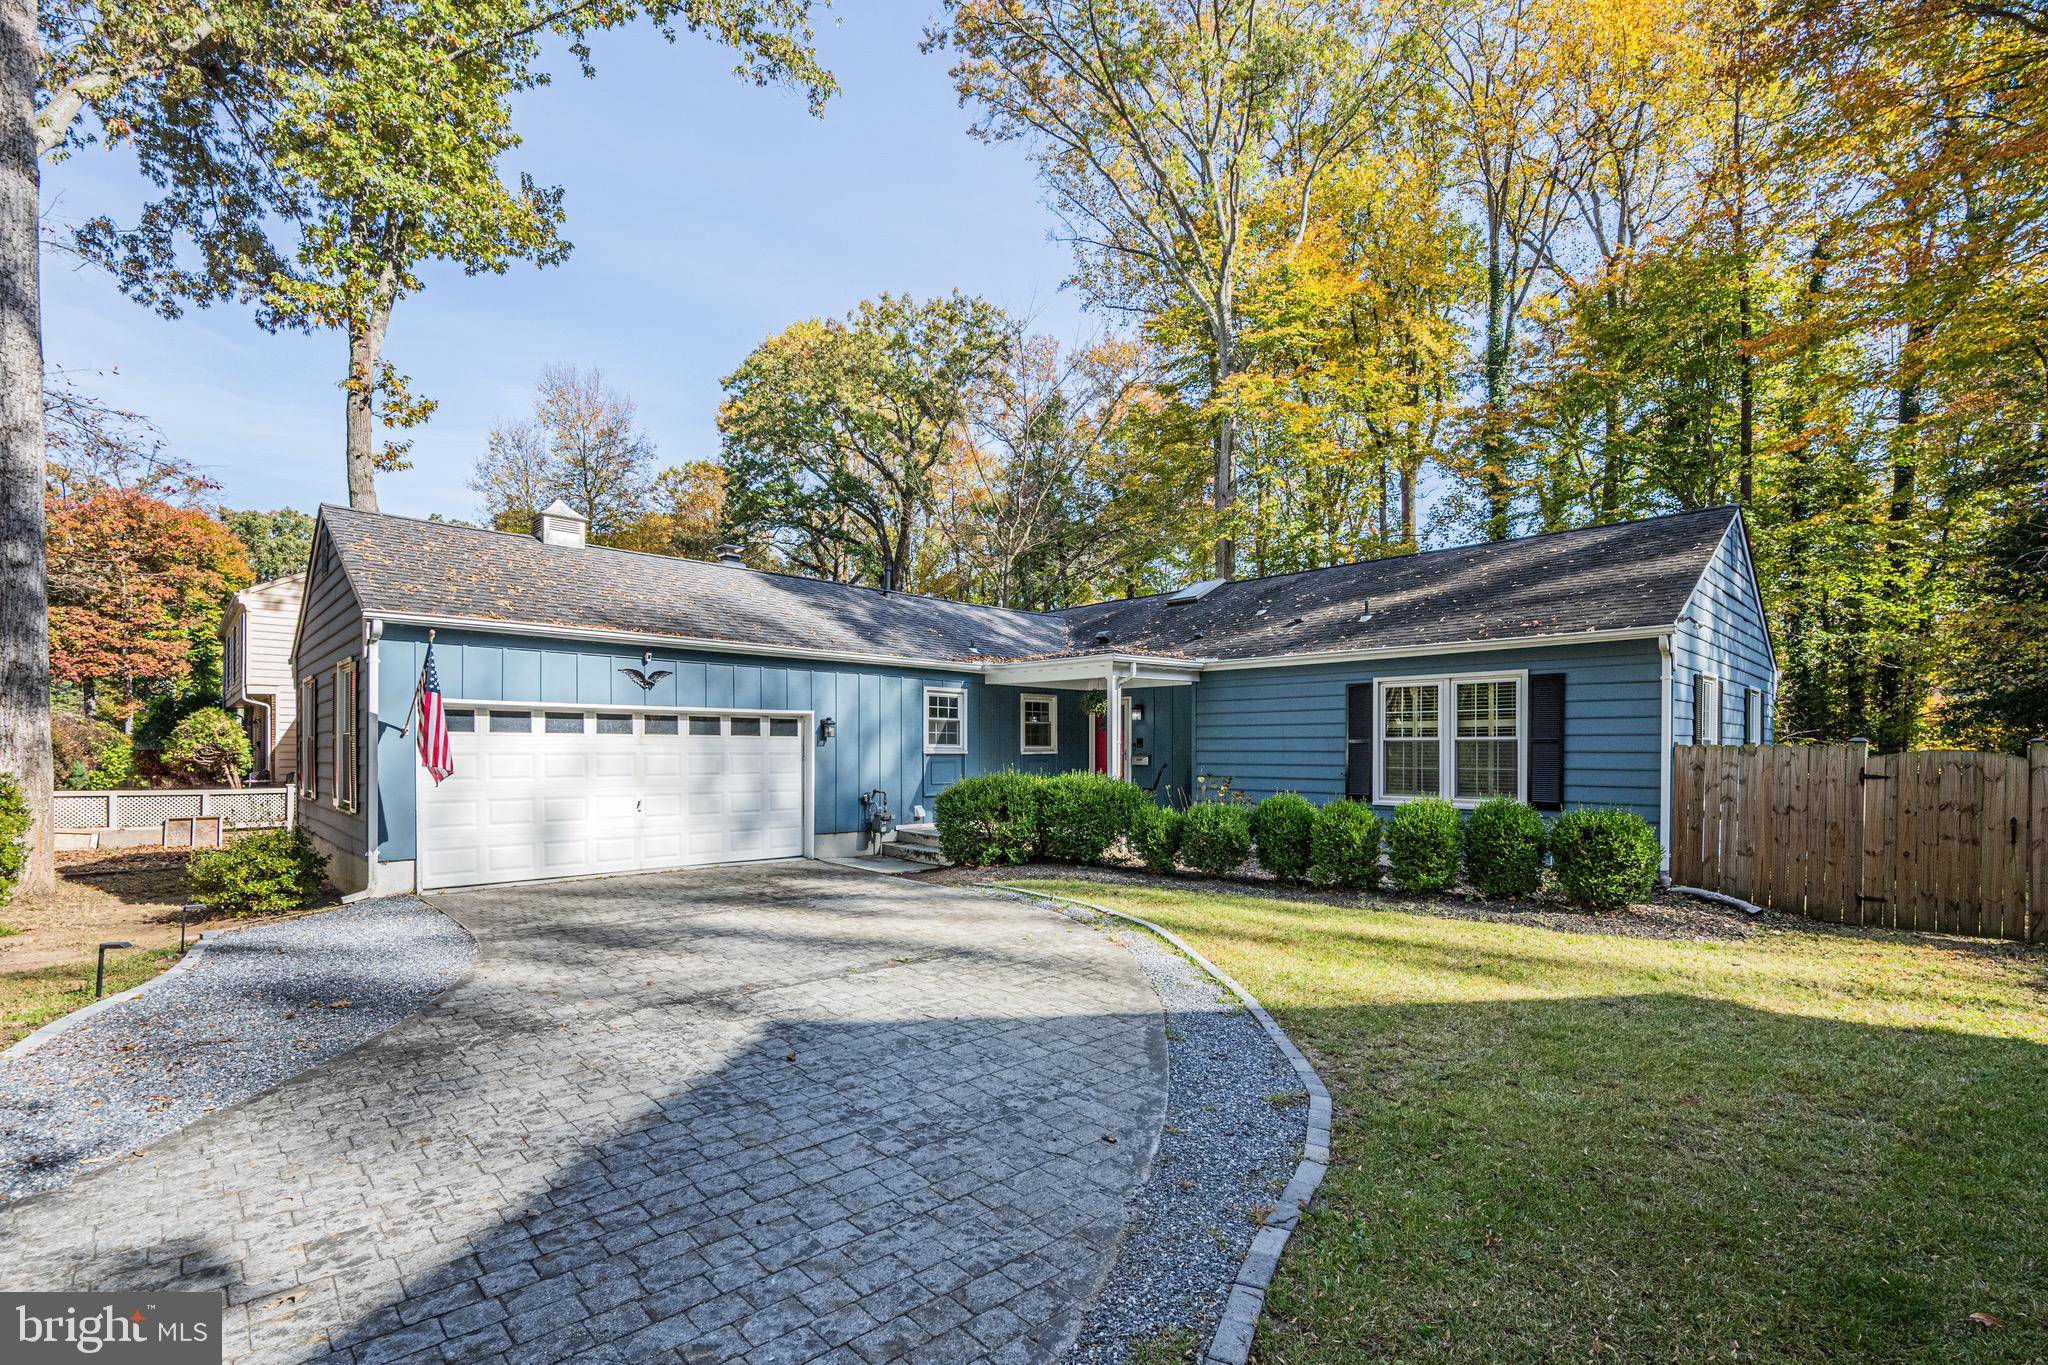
x=706, y=214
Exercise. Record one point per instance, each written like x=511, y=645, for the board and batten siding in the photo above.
x=1722, y=634
x=1270, y=730
x=330, y=629
x=878, y=711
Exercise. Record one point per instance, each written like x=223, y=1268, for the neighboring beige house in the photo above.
x=256, y=672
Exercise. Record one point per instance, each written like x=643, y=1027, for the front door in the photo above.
x=1098, y=741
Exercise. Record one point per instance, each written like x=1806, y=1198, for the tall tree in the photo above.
x=74, y=72
x=1158, y=125
x=581, y=445
x=834, y=429
x=1496, y=62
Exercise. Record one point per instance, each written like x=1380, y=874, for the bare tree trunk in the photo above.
x=365, y=357
x=24, y=589
x=1226, y=462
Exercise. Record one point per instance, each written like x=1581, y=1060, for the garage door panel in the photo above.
x=526, y=804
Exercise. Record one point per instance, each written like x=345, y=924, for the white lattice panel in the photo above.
x=249, y=809
x=79, y=810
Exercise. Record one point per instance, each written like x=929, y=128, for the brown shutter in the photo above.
x=1546, y=741
x=1358, y=741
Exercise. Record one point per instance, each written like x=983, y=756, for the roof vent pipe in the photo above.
x=888, y=579
x=730, y=554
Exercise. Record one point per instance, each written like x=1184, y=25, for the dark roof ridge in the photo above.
x=1422, y=554
x=685, y=559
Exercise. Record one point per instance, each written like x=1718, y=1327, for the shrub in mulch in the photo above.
x=1504, y=849
x=1423, y=845
x=1344, y=845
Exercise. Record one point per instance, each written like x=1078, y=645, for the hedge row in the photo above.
x=1602, y=859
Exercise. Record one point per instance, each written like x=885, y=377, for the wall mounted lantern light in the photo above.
x=827, y=728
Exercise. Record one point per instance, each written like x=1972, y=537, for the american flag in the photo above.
x=434, y=754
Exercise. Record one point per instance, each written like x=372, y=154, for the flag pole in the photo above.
x=414, y=707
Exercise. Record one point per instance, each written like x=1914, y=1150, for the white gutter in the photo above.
x=1345, y=656
x=677, y=642
x=373, y=631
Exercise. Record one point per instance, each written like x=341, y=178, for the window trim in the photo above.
x=1052, y=702
x=308, y=721
x=961, y=694
x=1752, y=715
x=345, y=699
x=1706, y=719
x=1447, y=734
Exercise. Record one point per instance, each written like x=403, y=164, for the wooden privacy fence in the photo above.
x=1943, y=840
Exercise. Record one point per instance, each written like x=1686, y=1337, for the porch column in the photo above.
x=1114, y=728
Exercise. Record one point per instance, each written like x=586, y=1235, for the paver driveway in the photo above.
x=778, y=1113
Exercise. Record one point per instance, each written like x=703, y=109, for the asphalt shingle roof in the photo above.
x=1635, y=575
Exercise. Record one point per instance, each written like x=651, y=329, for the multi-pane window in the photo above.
x=1488, y=744
x=345, y=702
x=945, y=720
x=1411, y=735
x=1038, y=724
x=1456, y=738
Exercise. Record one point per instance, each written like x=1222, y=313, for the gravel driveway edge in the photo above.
x=1232, y=1344
x=64, y=1023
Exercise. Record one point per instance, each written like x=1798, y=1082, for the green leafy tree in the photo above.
x=279, y=542
x=209, y=747
x=835, y=432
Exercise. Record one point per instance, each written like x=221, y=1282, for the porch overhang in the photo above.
x=1091, y=672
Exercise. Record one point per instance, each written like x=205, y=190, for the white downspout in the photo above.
x=1664, y=753
x=1113, y=733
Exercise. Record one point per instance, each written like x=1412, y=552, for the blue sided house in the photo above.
x=616, y=712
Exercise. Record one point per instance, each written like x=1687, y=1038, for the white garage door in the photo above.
x=555, y=793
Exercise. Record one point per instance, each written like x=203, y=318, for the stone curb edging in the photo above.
x=63, y=1024
x=1232, y=1344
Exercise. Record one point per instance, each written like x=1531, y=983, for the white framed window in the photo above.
x=1706, y=709
x=945, y=720
x=345, y=735
x=1038, y=723
x=1459, y=737
x=309, y=737
x=1752, y=716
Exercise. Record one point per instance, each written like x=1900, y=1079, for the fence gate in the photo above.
x=1948, y=841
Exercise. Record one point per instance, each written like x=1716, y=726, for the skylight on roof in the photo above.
x=1194, y=592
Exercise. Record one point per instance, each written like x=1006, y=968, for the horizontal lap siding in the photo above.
x=1282, y=729
x=331, y=630
x=879, y=714
x=1723, y=634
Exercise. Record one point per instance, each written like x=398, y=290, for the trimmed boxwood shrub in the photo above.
x=1281, y=830
x=1604, y=859
x=1155, y=837
x=1504, y=848
x=1081, y=815
x=272, y=869
x=1344, y=845
x=1422, y=845
x=1216, y=838
x=13, y=835
x=990, y=818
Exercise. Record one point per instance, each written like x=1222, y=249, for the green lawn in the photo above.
x=1801, y=1146
x=28, y=1000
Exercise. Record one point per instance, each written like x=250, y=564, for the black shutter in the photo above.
x=1546, y=741
x=1358, y=741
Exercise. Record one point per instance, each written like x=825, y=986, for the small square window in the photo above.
x=460, y=722
x=615, y=725
x=746, y=725
x=704, y=725
x=511, y=722
x=783, y=729
x=662, y=725
x=562, y=723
